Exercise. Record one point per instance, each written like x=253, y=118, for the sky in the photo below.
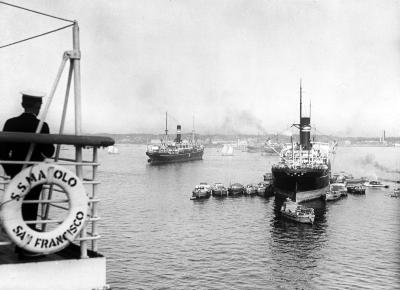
x=225, y=66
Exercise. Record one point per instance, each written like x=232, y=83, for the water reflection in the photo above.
x=295, y=247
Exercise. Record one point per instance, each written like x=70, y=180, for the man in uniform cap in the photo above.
x=26, y=122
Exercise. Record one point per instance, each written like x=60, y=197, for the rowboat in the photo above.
x=296, y=212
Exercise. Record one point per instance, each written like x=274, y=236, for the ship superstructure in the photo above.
x=303, y=170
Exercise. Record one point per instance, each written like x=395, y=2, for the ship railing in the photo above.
x=304, y=157
x=305, y=161
x=51, y=207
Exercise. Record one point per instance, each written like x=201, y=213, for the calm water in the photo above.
x=156, y=237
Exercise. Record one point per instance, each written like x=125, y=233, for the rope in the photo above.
x=39, y=35
x=37, y=12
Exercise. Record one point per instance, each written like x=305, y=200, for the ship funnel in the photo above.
x=178, y=134
x=305, y=132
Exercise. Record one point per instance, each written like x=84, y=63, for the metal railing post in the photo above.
x=94, y=204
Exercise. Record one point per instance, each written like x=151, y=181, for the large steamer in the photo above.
x=174, y=151
x=303, y=170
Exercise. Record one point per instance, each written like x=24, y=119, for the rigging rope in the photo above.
x=37, y=12
x=41, y=13
x=35, y=36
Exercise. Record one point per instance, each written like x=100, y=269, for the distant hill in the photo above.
x=208, y=139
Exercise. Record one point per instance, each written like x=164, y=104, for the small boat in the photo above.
x=356, y=188
x=261, y=188
x=235, y=189
x=227, y=150
x=268, y=177
x=218, y=189
x=296, y=212
x=251, y=189
x=264, y=188
x=336, y=191
x=375, y=184
x=395, y=193
x=332, y=195
x=112, y=150
x=203, y=190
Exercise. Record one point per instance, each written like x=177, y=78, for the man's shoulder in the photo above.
x=13, y=120
x=23, y=123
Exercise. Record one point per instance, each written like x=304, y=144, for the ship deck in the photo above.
x=64, y=270
x=9, y=256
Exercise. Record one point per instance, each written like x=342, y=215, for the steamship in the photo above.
x=177, y=150
x=304, y=169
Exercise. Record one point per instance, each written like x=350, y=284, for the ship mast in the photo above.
x=300, y=103
x=193, y=131
x=301, y=129
x=166, y=126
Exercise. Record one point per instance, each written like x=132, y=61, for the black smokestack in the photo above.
x=178, y=134
x=305, y=130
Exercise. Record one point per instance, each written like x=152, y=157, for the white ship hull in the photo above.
x=302, y=196
x=66, y=274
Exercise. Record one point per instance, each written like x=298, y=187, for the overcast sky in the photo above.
x=233, y=65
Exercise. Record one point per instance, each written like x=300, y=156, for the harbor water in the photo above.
x=155, y=237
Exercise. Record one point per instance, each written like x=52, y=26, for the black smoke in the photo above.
x=369, y=159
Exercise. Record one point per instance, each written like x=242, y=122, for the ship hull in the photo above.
x=161, y=158
x=299, y=219
x=300, y=185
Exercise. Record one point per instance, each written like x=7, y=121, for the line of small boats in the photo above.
x=339, y=187
x=341, y=184
x=205, y=190
x=289, y=209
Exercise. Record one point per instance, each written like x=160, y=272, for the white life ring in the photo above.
x=11, y=215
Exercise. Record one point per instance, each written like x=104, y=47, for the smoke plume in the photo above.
x=369, y=159
x=241, y=122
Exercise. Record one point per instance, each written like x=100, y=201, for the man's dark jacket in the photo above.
x=26, y=122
